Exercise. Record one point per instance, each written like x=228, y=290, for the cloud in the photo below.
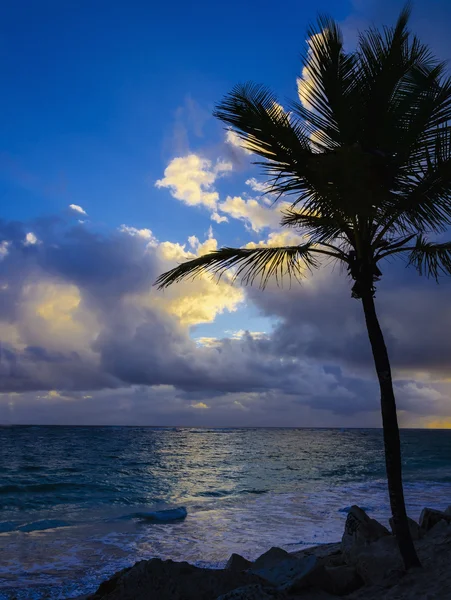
x=4, y=245
x=219, y=218
x=30, y=239
x=78, y=209
x=191, y=179
x=234, y=140
x=145, y=234
x=256, y=216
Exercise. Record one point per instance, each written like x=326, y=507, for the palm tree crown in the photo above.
x=365, y=156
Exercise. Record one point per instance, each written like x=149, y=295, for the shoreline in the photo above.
x=365, y=565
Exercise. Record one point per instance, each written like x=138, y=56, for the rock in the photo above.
x=328, y=555
x=253, y=592
x=158, y=579
x=288, y=574
x=273, y=556
x=359, y=527
x=447, y=511
x=415, y=530
x=378, y=562
x=341, y=580
x=430, y=517
x=237, y=563
x=439, y=534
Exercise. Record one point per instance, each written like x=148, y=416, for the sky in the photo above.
x=112, y=170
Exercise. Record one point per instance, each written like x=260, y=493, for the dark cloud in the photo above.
x=316, y=360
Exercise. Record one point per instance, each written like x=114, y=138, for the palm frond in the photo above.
x=254, y=113
x=425, y=201
x=318, y=227
x=328, y=74
x=431, y=259
x=249, y=264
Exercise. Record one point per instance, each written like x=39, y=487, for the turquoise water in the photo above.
x=72, y=499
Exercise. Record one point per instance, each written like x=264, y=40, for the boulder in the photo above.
x=340, y=581
x=273, y=556
x=328, y=555
x=430, y=517
x=288, y=574
x=237, y=563
x=360, y=530
x=439, y=535
x=415, y=530
x=253, y=592
x=377, y=563
x=158, y=579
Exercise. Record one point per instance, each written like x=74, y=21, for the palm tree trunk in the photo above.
x=392, y=442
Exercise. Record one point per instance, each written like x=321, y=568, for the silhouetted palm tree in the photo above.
x=366, y=156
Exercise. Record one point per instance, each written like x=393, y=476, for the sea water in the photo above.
x=78, y=503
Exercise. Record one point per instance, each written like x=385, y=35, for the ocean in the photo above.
x=77, y=503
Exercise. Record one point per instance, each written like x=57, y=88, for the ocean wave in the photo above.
x=46, y=487
x=224, y=493
x=41, y=525
x=160, y=516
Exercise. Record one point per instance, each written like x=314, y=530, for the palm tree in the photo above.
x=366, y=159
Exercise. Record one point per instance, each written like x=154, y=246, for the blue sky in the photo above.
x=98, y=100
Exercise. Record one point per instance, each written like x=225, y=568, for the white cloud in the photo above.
x=4, y=249
x=257, y=186
x=278, y=238
x=30, y=239
x=145, y=234
x=234, y=140
x=78, y=208
x=255, y=215
x=215, y=216
x=191, y=179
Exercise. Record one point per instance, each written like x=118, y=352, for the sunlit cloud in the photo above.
x=234, y=140
x=145, y=234
x=200, y=405
x=255, y=215
x=191, y=179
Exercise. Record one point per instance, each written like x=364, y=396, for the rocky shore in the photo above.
x=365, y=565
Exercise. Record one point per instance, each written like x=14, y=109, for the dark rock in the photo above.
x=253, y=592
x=447, y=511
x=288, y=574
x=430, y=517
x=440, y=534
x=237, y=563
x=158, y=579
x=415, y=530
x=328, y=555
x=378, y=562
x=360, y=530
x=273, y=556
x=341, y=580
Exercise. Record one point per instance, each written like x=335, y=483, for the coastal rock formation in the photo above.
x=415, y=530
x=252, y=592
x=287, y=574
x=158, y=579
x=366, y=565
x=237, y=562
x=360, y=529
x=340, y=581
x=430, y=517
